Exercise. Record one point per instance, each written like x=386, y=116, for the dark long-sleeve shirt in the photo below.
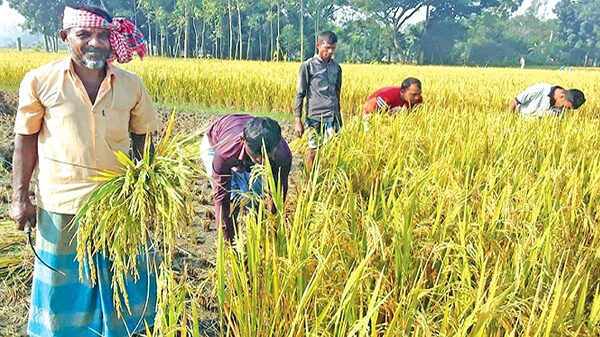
x=320, y=83
x=225, y=136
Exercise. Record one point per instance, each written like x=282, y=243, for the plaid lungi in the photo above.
x=65, y=306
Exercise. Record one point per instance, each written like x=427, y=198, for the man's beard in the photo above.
x=91, y=63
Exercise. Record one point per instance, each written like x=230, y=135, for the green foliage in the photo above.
x=453, y=32
x=580, y=30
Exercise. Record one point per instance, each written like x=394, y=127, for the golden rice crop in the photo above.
x=269, y=86
x=449, y=223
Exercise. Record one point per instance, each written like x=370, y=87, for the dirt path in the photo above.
x=198, y=255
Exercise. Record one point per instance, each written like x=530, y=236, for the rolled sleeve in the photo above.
x=30, y=113
x=144, y=118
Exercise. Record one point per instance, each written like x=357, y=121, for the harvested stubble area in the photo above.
x=195, y=259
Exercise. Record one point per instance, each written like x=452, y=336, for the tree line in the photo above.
x=473, y=32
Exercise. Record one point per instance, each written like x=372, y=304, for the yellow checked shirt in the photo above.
x=77, y=137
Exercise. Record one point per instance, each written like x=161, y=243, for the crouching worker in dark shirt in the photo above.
x=229, y=149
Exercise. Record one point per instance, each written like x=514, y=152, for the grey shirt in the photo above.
x=321, y=84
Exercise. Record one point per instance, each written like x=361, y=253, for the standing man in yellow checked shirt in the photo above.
x=72, y=114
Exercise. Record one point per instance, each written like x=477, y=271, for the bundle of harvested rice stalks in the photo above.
x=147, y=205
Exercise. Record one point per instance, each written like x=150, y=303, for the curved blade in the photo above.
x=28, y=231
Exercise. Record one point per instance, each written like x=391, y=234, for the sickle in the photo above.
x=28, y=231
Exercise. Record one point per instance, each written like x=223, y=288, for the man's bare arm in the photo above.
x=25, y=158
x=512, y=107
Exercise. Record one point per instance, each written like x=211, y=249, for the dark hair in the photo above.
x=410, y=81
x=261, y=129
x=96, y=10
x=576, y=97
x=327, y=36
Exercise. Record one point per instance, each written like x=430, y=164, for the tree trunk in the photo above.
x=46, y=44
x=196, y=51
x=316, y=24
x=230, y=29
x=301, y=30
x=149, y=36
x=220, y=48
x=177, y=49
x=397, y=47
x=202, y=52
x=271, y=48
x=162, y=45
x=248, y=57
x=168, y=45
x=134, y=4
x=156, y=39
x=278, y=31
x=239, y=13
x=216, y=51
x=186, y=36
x=260, y=45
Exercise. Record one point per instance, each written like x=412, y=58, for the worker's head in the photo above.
x=94, y=37
x=411, y=91
x=89, y=46
x=326, y=44
x=575, y=97
x=567, y=99
x=258, y=132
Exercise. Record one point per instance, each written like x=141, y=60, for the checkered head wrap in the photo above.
x=125, y=38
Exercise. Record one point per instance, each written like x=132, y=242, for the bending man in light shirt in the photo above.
x=543, y=99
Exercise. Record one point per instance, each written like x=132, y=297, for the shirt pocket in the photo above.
x=116, y=122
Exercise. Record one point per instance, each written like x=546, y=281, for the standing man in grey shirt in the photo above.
x=320, y=82
x=544, y=99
